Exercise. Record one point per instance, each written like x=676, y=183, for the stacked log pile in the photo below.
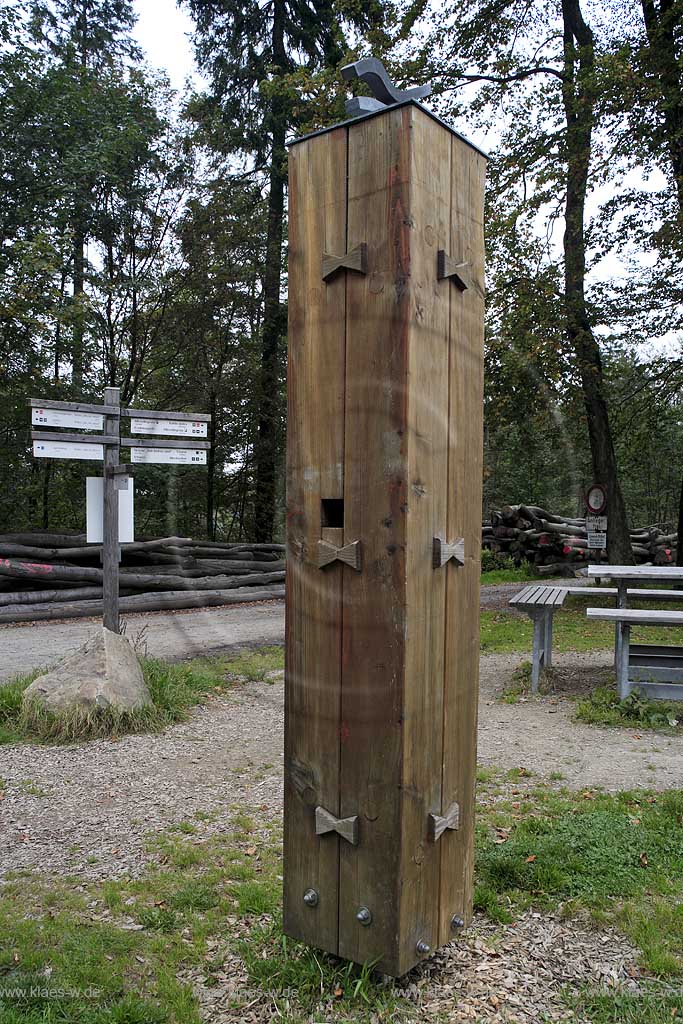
x=52, y=576
x=557, y=544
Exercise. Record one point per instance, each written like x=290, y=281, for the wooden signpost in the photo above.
x=384, y=481
x=105, y=447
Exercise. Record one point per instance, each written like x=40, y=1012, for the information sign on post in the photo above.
x=168, y=456
x=68, y=450
x=110, y=498
x=596, y=520
x=168, y=428
x=62, y=418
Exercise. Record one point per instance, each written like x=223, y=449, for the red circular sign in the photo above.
x=596, y=499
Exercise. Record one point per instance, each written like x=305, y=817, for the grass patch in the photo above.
x=522, y=574
x=604, y=707
x=207, y=906
x=175, y=689
x=257, y=664
x=504, y=633
x=619, y=857
x=649, y=1007
x=519, y=686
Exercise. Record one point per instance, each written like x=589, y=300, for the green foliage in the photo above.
x=604, y=707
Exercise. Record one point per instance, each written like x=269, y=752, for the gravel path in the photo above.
x=183, y=634
x=87, y=808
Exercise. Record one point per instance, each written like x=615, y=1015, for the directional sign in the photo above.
x=59, y=418
x=180, y=428
x=169, y=456
x=68, y=450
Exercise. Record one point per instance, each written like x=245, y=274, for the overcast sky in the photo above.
x=163, y=32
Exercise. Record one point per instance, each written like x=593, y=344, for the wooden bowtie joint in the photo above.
x=443, y=552
x=438, y=825
x=356, y=260
x=347, y=828
x=350, y=554
x=458, y=273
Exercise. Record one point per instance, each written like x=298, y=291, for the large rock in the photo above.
x=103, y=673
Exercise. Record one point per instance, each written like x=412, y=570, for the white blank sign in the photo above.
x=169, y=456
x=94, y=494
x=179, y=428
x=61, y=418
x=68, y=450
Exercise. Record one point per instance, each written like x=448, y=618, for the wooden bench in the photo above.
x=541, y=601
x=655, y=669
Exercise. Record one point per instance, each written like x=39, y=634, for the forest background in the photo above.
x=143, y=240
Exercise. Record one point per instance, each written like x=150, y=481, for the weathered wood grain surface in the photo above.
x=385, y=411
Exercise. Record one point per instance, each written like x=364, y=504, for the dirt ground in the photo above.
x=87, y=808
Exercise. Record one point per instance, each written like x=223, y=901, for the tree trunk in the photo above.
x=211, y=470
x=78, y=311
x=661, y=24
x=679, y=549
x=579, y=105
x=265, y=449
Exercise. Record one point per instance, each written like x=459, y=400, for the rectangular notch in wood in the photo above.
x=332, y=513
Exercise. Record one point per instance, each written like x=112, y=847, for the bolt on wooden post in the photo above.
x=384, y=481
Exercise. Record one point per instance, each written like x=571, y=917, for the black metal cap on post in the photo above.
x=371, y=71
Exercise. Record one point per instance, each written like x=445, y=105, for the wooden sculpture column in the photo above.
x=384, y=477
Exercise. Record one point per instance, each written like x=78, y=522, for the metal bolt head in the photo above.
x=311, y=898
x=364, y=917
x=422, y=947
x=457, y=922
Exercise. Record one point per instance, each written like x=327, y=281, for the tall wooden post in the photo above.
x=384, y=478
x=111, y=549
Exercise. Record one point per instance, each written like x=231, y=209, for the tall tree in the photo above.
x=260, y=58
x=579, y=96
x=539, y=61
x=86, y=40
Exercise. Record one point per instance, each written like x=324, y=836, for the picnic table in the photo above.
x=540, y=602
x=656, y=669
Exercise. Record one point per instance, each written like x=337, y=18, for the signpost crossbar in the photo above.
x=47, y=435
x=102, y=410
x=159, y=442
x=151, y=414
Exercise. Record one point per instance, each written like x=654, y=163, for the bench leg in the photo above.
x=622, y=662
x=548, y=640
x=622, y=601
x=538, y=655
